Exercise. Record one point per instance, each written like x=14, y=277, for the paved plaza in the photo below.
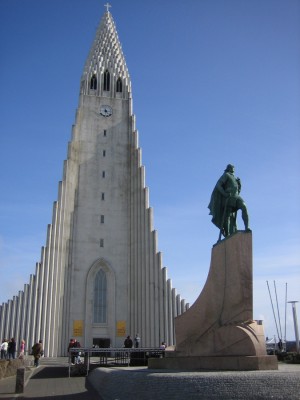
x=51, y=381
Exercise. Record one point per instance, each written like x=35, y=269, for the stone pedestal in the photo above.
x=226, y=363
x=218, y=332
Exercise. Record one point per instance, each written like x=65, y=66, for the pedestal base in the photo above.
x=218, y=332
x=221, y=363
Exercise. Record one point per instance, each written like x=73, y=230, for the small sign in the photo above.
x=121, y=328
x=78, y=328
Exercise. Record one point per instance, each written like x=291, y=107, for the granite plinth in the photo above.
x=218, y=331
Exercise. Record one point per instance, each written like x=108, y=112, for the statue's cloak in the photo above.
x=216, y=208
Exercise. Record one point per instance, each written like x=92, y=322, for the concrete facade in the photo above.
x=101, y=231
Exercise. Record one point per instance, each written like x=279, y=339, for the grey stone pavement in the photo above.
x=51, y=381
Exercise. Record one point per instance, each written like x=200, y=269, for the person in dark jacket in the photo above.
x=11, y=349
x=128, y=343
x=37, y=352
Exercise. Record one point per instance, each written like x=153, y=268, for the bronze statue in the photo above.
x=226, y=201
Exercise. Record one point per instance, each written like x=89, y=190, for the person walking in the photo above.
x=37, y=352
x=22, y=349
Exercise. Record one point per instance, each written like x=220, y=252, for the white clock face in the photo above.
x=106, y=111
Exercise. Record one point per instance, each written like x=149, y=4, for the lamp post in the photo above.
x=295, y=324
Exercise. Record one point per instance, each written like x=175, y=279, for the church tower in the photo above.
x=100, y=277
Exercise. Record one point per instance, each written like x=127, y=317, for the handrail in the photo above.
x=115, y=352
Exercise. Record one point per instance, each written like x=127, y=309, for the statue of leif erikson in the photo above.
x=226, y=201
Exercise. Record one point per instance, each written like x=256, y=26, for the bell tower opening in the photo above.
x=106, y=81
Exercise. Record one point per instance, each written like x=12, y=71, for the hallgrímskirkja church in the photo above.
x=100, y=277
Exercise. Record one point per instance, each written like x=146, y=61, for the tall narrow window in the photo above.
x=100, y=298
x=104, y=153
x=106, y=80
x=119, y=85
x=93, y=84
x=104, y=132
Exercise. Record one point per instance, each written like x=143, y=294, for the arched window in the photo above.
x=119, y=85
x=106, y=80
x=93, y=84
x=100, y=298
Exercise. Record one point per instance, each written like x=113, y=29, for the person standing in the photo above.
x=11, y=349
x=137, y=340
x=128, y=343
x=71, y=354
x=77, y=354
x=163, y=346
x=37, y=352
x=4, y=346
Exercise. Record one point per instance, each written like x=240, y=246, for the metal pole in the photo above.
x=285, y=317
x=273, y=309
x=295, y=324
x=279, y=322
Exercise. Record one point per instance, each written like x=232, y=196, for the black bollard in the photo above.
x=20, y=380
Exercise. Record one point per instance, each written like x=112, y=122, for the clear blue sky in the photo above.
x=214, y=82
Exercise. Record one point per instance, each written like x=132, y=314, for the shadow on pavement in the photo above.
x=51, y=373
x=58, y=378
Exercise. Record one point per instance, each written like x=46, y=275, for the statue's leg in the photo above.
x=233, y=226
x=245, y=216
x=227, y=222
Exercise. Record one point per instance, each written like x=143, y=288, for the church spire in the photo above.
x=101, y=242
x=105, y=72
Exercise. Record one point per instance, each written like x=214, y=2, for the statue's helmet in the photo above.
x=229, y=168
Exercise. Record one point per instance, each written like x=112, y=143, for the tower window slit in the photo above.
x=104, y=153
x=119, y=85
x=93, y=83
x=106, y=81
x=103, y=174
x=102, y=196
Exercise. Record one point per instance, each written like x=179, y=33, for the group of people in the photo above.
x=8, y=349
x=128, y=342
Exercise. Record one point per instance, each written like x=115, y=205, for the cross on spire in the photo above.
x=107, y=5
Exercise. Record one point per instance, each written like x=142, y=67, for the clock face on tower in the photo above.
x=106, y=111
